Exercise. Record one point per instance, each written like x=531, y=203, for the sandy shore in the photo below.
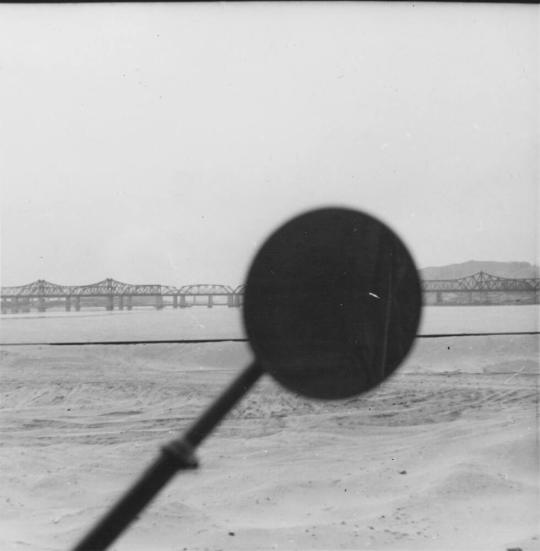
x=442, y=456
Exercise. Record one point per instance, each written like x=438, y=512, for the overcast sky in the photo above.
x=162, y=143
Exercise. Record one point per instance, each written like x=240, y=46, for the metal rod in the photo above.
x=215, y=413
x=175, y=456
x=130, y=505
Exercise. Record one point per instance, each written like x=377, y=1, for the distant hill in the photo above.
x=501, y=269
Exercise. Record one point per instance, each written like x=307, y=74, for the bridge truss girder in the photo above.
x=205, y=289
x=481, y=281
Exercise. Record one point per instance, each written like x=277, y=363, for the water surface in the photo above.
x=224, y=322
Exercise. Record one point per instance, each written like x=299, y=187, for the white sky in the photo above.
x=163, y=142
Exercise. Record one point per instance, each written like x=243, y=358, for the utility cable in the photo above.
x=210, y=341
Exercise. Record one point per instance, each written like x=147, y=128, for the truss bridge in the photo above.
x=479, y=288
x=111, y=294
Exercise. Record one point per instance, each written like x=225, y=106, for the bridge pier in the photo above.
x=175, y=301
x=438, y=297
x=4, y=306
x=210, y=301
x=121, y=302
x=129, y=300
x=68, y=304
x=159, y=302
x=230, y=301
x=183, y=302
x=77, y=304
x=41, y=304
x=110, y=303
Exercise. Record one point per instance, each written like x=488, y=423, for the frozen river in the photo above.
x=223, y=322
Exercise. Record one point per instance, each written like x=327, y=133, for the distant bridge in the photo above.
x=479, y=288
x=42, y=294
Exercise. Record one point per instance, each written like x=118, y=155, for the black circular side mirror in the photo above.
x=331, y=307
x=332, y=303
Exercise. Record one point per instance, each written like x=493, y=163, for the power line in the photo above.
x=209, y=341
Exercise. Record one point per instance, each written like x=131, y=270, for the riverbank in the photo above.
x=442, y=456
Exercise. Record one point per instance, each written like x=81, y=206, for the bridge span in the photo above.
x=110, y=293
x=479, y=288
